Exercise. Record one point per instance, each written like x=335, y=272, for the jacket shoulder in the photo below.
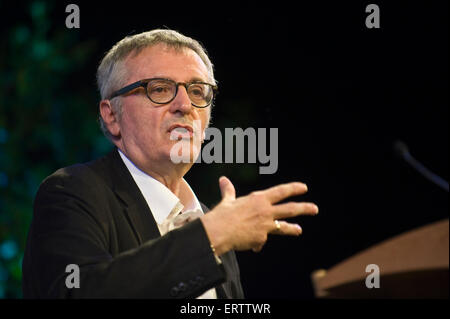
x=93, y=171
x=90, y=178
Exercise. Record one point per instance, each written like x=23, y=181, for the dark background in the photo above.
x=350, y=93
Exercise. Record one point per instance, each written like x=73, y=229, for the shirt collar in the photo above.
x=159, y=198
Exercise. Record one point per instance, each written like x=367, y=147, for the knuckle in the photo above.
x=258, y=197
x=253, y=197
x=261, y=239
x=266, y=214
x=259, y=202
x=255, y=194
x=291, y=209
x=257, y=216
x=283, y=191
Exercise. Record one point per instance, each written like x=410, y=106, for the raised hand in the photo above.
x=243, y=223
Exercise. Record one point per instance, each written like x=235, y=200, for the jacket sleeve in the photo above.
x=66, y=230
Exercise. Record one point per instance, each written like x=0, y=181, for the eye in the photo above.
x=197, y=90
x=160, y=87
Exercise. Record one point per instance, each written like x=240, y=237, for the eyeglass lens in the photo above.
x=163, y=91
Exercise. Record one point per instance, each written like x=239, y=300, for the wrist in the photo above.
x=218, y=260
x=216, y=235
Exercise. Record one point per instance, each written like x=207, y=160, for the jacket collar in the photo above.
x=159, y=198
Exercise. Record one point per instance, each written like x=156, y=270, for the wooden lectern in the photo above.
x=411, y=265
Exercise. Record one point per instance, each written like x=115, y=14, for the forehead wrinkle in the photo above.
x=198, y=70
x=190, y=80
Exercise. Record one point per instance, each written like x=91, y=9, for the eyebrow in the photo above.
x=192, y=79
x=196, y=79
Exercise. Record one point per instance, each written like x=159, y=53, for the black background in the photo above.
x=350, y=93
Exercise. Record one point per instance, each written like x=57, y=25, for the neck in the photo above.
x=171, y=177
x=165, y=172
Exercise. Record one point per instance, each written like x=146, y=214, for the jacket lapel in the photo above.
x=135, y=206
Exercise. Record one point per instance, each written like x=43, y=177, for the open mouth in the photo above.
x=178, y=131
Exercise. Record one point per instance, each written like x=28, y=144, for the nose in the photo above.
x=182, y=102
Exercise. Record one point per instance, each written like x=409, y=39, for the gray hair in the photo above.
x=111, y=73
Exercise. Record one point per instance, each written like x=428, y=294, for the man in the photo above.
x=128, y=221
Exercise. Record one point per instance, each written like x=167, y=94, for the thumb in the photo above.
x=227, y=189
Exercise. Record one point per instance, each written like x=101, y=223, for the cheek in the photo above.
x=204, y=117
x=142, y=127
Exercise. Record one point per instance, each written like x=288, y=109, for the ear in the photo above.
x=110, y=118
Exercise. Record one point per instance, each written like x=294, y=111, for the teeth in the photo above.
x=181, y=129
x=180, y=133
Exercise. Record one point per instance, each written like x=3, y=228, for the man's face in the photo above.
x=146, y=127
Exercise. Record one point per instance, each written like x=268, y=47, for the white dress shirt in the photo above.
x=162, y=203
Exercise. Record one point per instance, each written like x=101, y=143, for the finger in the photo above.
x=258, y=249
x=293, y=209
x=227, y=189
x=280, y=192
x=287, y=229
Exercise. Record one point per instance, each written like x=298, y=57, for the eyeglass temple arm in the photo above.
x=127, y=89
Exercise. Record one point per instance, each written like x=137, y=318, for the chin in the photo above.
x=184, y=152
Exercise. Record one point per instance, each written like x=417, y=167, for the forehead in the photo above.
x=162, y=61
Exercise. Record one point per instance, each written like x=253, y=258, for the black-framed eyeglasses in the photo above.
x=163, y=91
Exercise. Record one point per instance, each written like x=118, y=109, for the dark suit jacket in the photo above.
x=94, y=215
